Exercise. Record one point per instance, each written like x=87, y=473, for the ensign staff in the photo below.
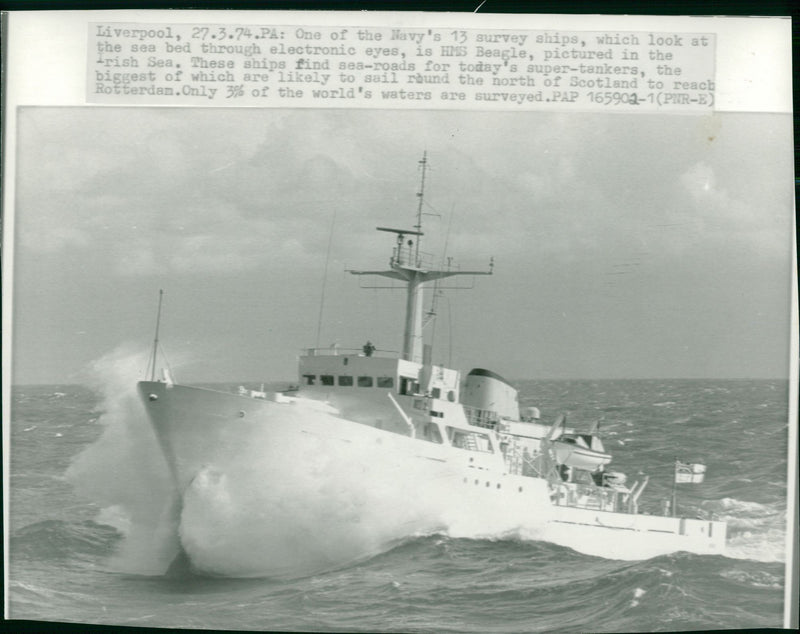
x=686, y=473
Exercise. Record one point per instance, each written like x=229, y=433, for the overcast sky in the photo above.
x=625, y=246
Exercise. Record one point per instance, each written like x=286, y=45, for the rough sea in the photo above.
x=90, y=538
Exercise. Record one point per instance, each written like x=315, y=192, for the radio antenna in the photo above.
x=325, y=276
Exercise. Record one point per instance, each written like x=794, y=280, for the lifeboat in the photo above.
x=581, y=451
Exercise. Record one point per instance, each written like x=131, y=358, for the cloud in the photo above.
x=157, y=190
x=735, y=220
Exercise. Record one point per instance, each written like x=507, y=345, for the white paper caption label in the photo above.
x=385, y=67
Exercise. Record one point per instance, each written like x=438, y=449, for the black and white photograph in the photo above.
x=399, y=369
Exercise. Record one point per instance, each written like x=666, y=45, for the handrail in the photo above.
x=333, y=351
x=406, y=418
x=405, y=256
x=589, y=496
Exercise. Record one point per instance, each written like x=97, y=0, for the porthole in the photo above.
x=476, y=482
x=520, y=489
x=488, y=484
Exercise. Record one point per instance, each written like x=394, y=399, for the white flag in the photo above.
x=692, y=473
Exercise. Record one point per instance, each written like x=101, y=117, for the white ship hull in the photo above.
x=300, y=453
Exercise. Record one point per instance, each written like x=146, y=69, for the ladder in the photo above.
x=469, y=442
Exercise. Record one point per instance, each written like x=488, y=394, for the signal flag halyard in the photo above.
x=689, y=473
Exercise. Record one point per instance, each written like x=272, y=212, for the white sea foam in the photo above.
x=124, y=471
x=755, y=531
x=263, y=514
x=764, y=545
x=742, y=508
x=758, y=578
x=638, y=593
x=350, y=503
x=115, y=516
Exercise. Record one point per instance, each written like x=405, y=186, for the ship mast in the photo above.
x=420, y=195
x=405, y=265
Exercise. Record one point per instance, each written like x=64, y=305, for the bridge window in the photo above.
x=346, y=381
x=326, y=379
x=436, y=392
x=310, y=378
x=408, y=386
x=385, y=381
x=365, y=381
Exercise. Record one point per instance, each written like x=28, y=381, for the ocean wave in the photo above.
x=756, y=578
x=58, y=539
x=756, y=531
x=553, y=587
x=741, y=508
x=431, y=580
x=768, y=546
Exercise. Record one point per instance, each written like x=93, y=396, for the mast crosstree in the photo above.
x=407, y=266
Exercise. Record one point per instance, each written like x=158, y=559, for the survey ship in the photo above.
x=455, y=456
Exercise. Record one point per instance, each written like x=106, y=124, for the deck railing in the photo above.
x=589, y=496
x=407, y=256
x=332, y=351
